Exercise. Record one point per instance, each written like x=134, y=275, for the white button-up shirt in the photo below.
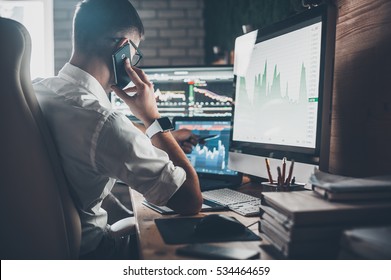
x=98, y=145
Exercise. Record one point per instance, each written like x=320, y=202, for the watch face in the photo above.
x=165, y=124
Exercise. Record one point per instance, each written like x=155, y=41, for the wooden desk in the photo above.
x=151, y=244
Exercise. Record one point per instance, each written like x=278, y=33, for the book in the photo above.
x=367, y=243
x=338, y=188
x=307, y=208
x=307, y=233
x=339, y=196
x=300, y=250
x=280, y=218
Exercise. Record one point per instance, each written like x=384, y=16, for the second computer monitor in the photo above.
x=188, y=91
x=283, y=94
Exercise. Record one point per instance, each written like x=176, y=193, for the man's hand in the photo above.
x=186, y=139
x=143, y=102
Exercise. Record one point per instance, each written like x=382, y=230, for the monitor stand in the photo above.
x=256, y=166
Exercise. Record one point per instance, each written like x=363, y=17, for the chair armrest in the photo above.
x=123, y=227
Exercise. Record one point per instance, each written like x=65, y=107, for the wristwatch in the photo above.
x=159, y=125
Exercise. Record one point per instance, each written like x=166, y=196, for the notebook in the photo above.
x=210, y=157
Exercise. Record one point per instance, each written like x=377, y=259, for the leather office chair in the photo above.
x=37, y=215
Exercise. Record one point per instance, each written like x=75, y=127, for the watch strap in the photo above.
x=159, y=125
x=153, y=129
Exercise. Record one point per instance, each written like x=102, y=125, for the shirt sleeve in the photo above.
x=124, y=152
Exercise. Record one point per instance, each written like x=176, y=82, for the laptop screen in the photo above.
x=210, y=156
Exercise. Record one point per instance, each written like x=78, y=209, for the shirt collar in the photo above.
x=83, y=79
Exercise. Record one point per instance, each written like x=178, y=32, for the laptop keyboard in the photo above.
x=243, y=204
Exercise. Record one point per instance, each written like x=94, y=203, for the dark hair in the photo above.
x=95, y=19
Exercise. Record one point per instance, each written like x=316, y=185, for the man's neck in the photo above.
x=93, y=66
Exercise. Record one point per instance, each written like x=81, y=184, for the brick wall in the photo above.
x=174, y=31
x=62, y=17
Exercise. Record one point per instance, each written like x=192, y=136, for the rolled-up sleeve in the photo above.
x=169, y=181
x=124, y=152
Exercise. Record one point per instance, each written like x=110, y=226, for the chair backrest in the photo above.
x=38, y=217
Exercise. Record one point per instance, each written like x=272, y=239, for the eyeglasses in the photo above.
x=138, y=54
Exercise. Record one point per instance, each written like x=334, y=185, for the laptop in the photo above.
x=210, y=157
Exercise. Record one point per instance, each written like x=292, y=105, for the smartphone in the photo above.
x=209, y=252
x=121, y=77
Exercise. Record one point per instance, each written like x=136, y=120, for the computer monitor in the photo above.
x=188, y=91
x=283, y=95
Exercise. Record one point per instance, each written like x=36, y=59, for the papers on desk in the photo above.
x=301, y=225
x=336, y=188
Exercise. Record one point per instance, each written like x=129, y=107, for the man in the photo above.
x=97, y=144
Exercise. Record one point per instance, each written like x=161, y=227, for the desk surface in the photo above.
x=151, y=244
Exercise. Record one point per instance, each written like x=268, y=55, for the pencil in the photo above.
x=283, y=170
x=279, y=179
x=268, y=171
x=288, y=180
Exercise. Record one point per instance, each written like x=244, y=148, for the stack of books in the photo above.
x=342, y=188
x=302, y=225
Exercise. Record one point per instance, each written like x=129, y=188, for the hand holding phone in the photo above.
x=140, y=98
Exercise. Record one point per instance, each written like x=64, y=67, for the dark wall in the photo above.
x=182, y=32
x=361, y=117
x=224, y=19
